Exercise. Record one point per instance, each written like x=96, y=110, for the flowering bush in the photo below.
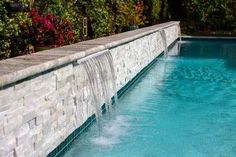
x=49, y=30
x=64, y=10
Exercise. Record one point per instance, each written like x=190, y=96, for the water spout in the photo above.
x=180, y=39
x=101, y=75
x=164, y=40
x=175, y=49
x=179, y=33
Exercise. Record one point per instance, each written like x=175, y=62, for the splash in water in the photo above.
x=112, y=132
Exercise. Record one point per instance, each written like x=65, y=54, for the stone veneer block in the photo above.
x=45, y=101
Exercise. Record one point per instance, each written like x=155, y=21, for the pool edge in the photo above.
x=64, y=146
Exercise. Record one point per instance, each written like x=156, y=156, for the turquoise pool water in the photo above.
x=184, y=106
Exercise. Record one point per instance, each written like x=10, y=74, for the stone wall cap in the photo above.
x=18, y=68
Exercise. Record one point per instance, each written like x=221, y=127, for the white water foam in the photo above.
x=112, y=132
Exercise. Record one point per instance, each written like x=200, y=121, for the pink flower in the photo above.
x=50, y=17
x=47, y=24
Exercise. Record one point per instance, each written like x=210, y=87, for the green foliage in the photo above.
x=98, y=13
x=152, y=10
x=9, y=26
x=209, y=14
x=129, y=13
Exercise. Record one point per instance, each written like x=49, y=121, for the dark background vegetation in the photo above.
x=43, y=24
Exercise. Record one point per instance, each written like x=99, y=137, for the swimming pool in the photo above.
x=184, y=106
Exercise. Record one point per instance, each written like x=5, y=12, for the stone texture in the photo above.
x=38, y=113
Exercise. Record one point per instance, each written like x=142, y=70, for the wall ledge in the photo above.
x=19, y=68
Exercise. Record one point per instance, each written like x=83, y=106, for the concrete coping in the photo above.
x=19, y=68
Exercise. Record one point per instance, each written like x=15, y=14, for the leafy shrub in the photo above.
x=49, y=30
x=64, y=10
x=21, y=44
x=9, y=26
x=152, y=10
x=209, y=14
x=129, y=13
x=98, y=13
